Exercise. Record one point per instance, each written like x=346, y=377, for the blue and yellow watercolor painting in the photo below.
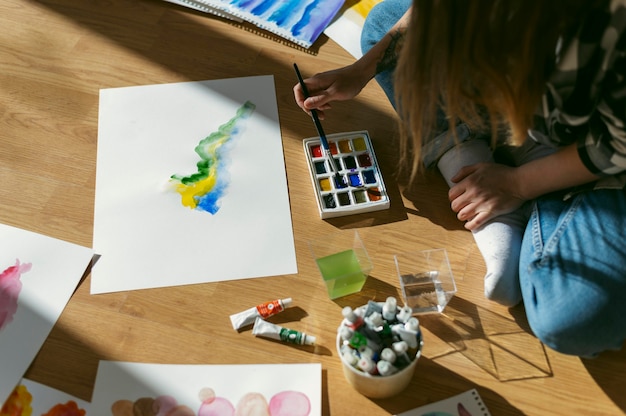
x=203, y=189
x=301, y=21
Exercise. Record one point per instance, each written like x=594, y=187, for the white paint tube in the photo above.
x=247, y=317
x=272, y=331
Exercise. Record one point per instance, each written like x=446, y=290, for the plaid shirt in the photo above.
x=585, y=100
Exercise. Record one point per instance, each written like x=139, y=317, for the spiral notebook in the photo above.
x=465, y=404
x=298, y=21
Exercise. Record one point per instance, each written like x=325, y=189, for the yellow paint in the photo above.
x=202, y=187
x=18, y=403
x=344, y=146
x=325, y=184
x=363, y=7
x=359, y=144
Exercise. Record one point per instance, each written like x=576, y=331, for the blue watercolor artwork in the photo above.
x=300, y=21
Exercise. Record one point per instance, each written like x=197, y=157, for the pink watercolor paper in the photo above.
x=208, y=390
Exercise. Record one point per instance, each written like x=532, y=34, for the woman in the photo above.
x=544, y=84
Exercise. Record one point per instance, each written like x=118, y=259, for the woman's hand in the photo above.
x=323, y=88
x=482, y=192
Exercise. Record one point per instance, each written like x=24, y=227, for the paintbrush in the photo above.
x=318, y=126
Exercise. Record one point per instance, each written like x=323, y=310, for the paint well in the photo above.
x=344, y=198
x=329, y=201
x=349, y=162
x=374, y=194
x=320, y=167
x=359, y=197
x=359, y=144
x=369, y=176
x=344, y=146
x=355, y=180
x=340, y=182
x=316, y=151
x=325, y=184
x=365, y=160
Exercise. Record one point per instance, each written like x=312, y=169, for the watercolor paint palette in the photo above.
x=358, y=188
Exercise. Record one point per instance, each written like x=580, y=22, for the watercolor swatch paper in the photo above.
x=347, y=26
x=299, y=21
x=208, y=390
x=190, y=185
x=468, y=403
x=38, y=275
x=31, y=398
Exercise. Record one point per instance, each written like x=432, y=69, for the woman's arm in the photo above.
x=486, y=190
x=347, y=82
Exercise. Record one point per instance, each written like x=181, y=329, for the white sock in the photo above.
x=499, y=240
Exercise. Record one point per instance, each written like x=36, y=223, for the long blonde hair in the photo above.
x=483, y=62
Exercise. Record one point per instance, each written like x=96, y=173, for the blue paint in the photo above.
x=262, y=8
x=244, y=3
x=305, y=20
x=355, y=180
x=369, y=176
x=283, y=13
x=209, y=202
x=340, y=182
x=317, y=16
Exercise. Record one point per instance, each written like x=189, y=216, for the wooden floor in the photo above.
x=55, y=55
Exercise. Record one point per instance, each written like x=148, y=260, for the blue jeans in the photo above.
x=573, y=256
x=573, y=271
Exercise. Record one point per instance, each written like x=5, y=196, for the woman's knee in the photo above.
x=573, y=317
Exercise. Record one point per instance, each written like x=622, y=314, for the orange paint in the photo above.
x=68, y=409
x=374, y=194
x=18, y=403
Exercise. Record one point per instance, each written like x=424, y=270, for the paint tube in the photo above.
x=390, y=309
x=272, y=331
x=404, y=314
x=408, y=332
x=385, y=368
x=247, y=317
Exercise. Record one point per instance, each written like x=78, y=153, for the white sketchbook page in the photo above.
x=187, y=383
x=470, y=401
x=145, y=236
x=44, y=398
x=197, y=5
x=56, y=269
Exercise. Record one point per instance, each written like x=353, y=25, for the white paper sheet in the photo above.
x=38, y=275
x=146, y=237
x=262, y=389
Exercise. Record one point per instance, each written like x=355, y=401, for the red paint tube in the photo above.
x=247, y=317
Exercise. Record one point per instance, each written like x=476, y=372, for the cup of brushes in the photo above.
x=379, y=344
